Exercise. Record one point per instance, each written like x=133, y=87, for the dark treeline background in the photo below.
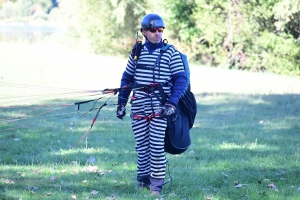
x=256, y=35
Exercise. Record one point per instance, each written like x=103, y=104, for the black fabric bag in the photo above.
x=177, y=136
x=189, y=107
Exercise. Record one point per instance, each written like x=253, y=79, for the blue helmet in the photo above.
x=152, y=21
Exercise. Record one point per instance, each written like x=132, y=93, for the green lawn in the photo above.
x=245, y=141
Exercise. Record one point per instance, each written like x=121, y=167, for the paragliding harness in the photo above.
x=177, y=135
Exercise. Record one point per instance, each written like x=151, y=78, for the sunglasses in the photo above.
x=153, y=30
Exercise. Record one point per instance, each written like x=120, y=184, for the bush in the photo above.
x=247, y=35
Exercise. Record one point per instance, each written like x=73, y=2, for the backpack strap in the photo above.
x=163, y=95
x=184, y=60
x=162, y=51
x=166, y=46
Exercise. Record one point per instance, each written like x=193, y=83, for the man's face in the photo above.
x=154, y=35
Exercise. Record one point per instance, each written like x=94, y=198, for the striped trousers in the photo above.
x=149, y=133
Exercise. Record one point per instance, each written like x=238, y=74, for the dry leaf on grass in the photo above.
x=9, y=181
x=93, y=192
x=73, y=196
x=240, y=185
x=272, y=186
x=74, y=171
x=93, y=169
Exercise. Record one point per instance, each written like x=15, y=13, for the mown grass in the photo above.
x=246, y=133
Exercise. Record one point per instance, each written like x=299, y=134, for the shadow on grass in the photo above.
x=270, y=118
x=236, y=137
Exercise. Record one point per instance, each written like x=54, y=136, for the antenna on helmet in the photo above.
x=137, y=45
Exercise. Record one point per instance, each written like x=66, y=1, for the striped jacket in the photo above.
x=169, y=70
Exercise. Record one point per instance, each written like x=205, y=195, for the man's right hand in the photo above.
x=121, y=111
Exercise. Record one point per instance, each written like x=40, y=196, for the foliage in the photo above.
x=180, y=20
x=2, y=2
x=111, y=24
x=253, y=35
x=47, y=4
x=6, y=10
x=279, y=53
x=248, y=35
x=20, y=10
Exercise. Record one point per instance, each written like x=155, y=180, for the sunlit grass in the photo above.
x=249, y=146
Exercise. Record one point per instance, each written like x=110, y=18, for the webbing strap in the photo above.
x=136, y=116
x=163, y=96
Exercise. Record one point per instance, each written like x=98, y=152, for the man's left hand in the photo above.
x=169, y=109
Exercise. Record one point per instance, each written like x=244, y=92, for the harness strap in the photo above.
x=162, y=97
x=135, y=116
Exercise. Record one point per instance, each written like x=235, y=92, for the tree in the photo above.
x=7, y=10
x=243, y=34
x=109, y=24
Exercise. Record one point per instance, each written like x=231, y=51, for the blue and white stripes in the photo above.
x=150, y=135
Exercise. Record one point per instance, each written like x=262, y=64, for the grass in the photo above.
x=245, y=137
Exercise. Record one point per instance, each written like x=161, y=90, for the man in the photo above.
x=148, y=113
